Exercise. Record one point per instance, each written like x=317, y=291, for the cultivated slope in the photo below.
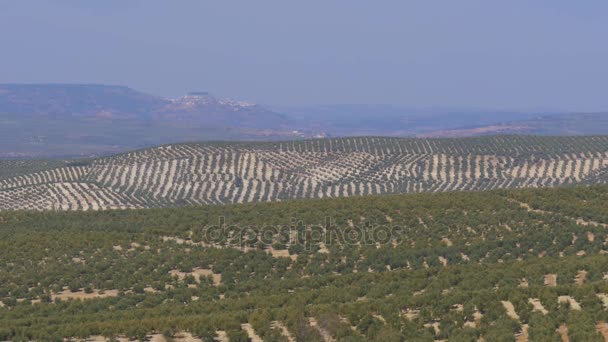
x=206, y=173
x=517, y=265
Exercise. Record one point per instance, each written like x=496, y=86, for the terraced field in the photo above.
x=213, y=173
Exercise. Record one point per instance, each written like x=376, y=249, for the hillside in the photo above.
x=525, y=265
x=214, y=173
x=83, y=120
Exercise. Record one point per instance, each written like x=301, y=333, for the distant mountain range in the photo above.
x=88, y=120
x=68, y=120
x=554, y=124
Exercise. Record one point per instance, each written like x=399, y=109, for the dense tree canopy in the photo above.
x=455, y=265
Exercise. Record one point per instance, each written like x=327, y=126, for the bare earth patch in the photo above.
x=580, y=278
x=574, y=305
x=281, y=253
x=602, y=328
x=538, y=306
x=221, y=336
x=379, y=317
x=469, y=324
x=476, y=320
x=324, y=334
x=604, y=298
x=523, y=335
x=323, y=248
x=157, y=338
x=78, y=260
x=551, y=280
x=477, y=316
x=458, y=307
x=436, y=327
x=510, y=310
x=283, y=329
x=410, y=314
x=185, y=337
x=253, y=337
x=563, y=333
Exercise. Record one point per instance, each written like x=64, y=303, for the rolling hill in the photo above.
x=229, y=173
x=508, y=265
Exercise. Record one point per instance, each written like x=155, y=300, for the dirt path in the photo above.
x=602, y=328
x=253, y=337
x=523, y=335
x=284, y=331
x=324, y=334
x=510, y=310
x=563, y=333
x=578, y=220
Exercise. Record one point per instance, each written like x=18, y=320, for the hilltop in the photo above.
x=229, y=173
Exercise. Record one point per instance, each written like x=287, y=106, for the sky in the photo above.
x=516, y=54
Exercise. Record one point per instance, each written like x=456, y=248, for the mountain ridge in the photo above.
x=90, y=120
x=47, y=120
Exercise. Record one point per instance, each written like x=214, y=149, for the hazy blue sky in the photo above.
x=500, y=54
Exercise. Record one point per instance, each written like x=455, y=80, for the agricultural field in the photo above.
x=231, y=173
x=500, y=265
